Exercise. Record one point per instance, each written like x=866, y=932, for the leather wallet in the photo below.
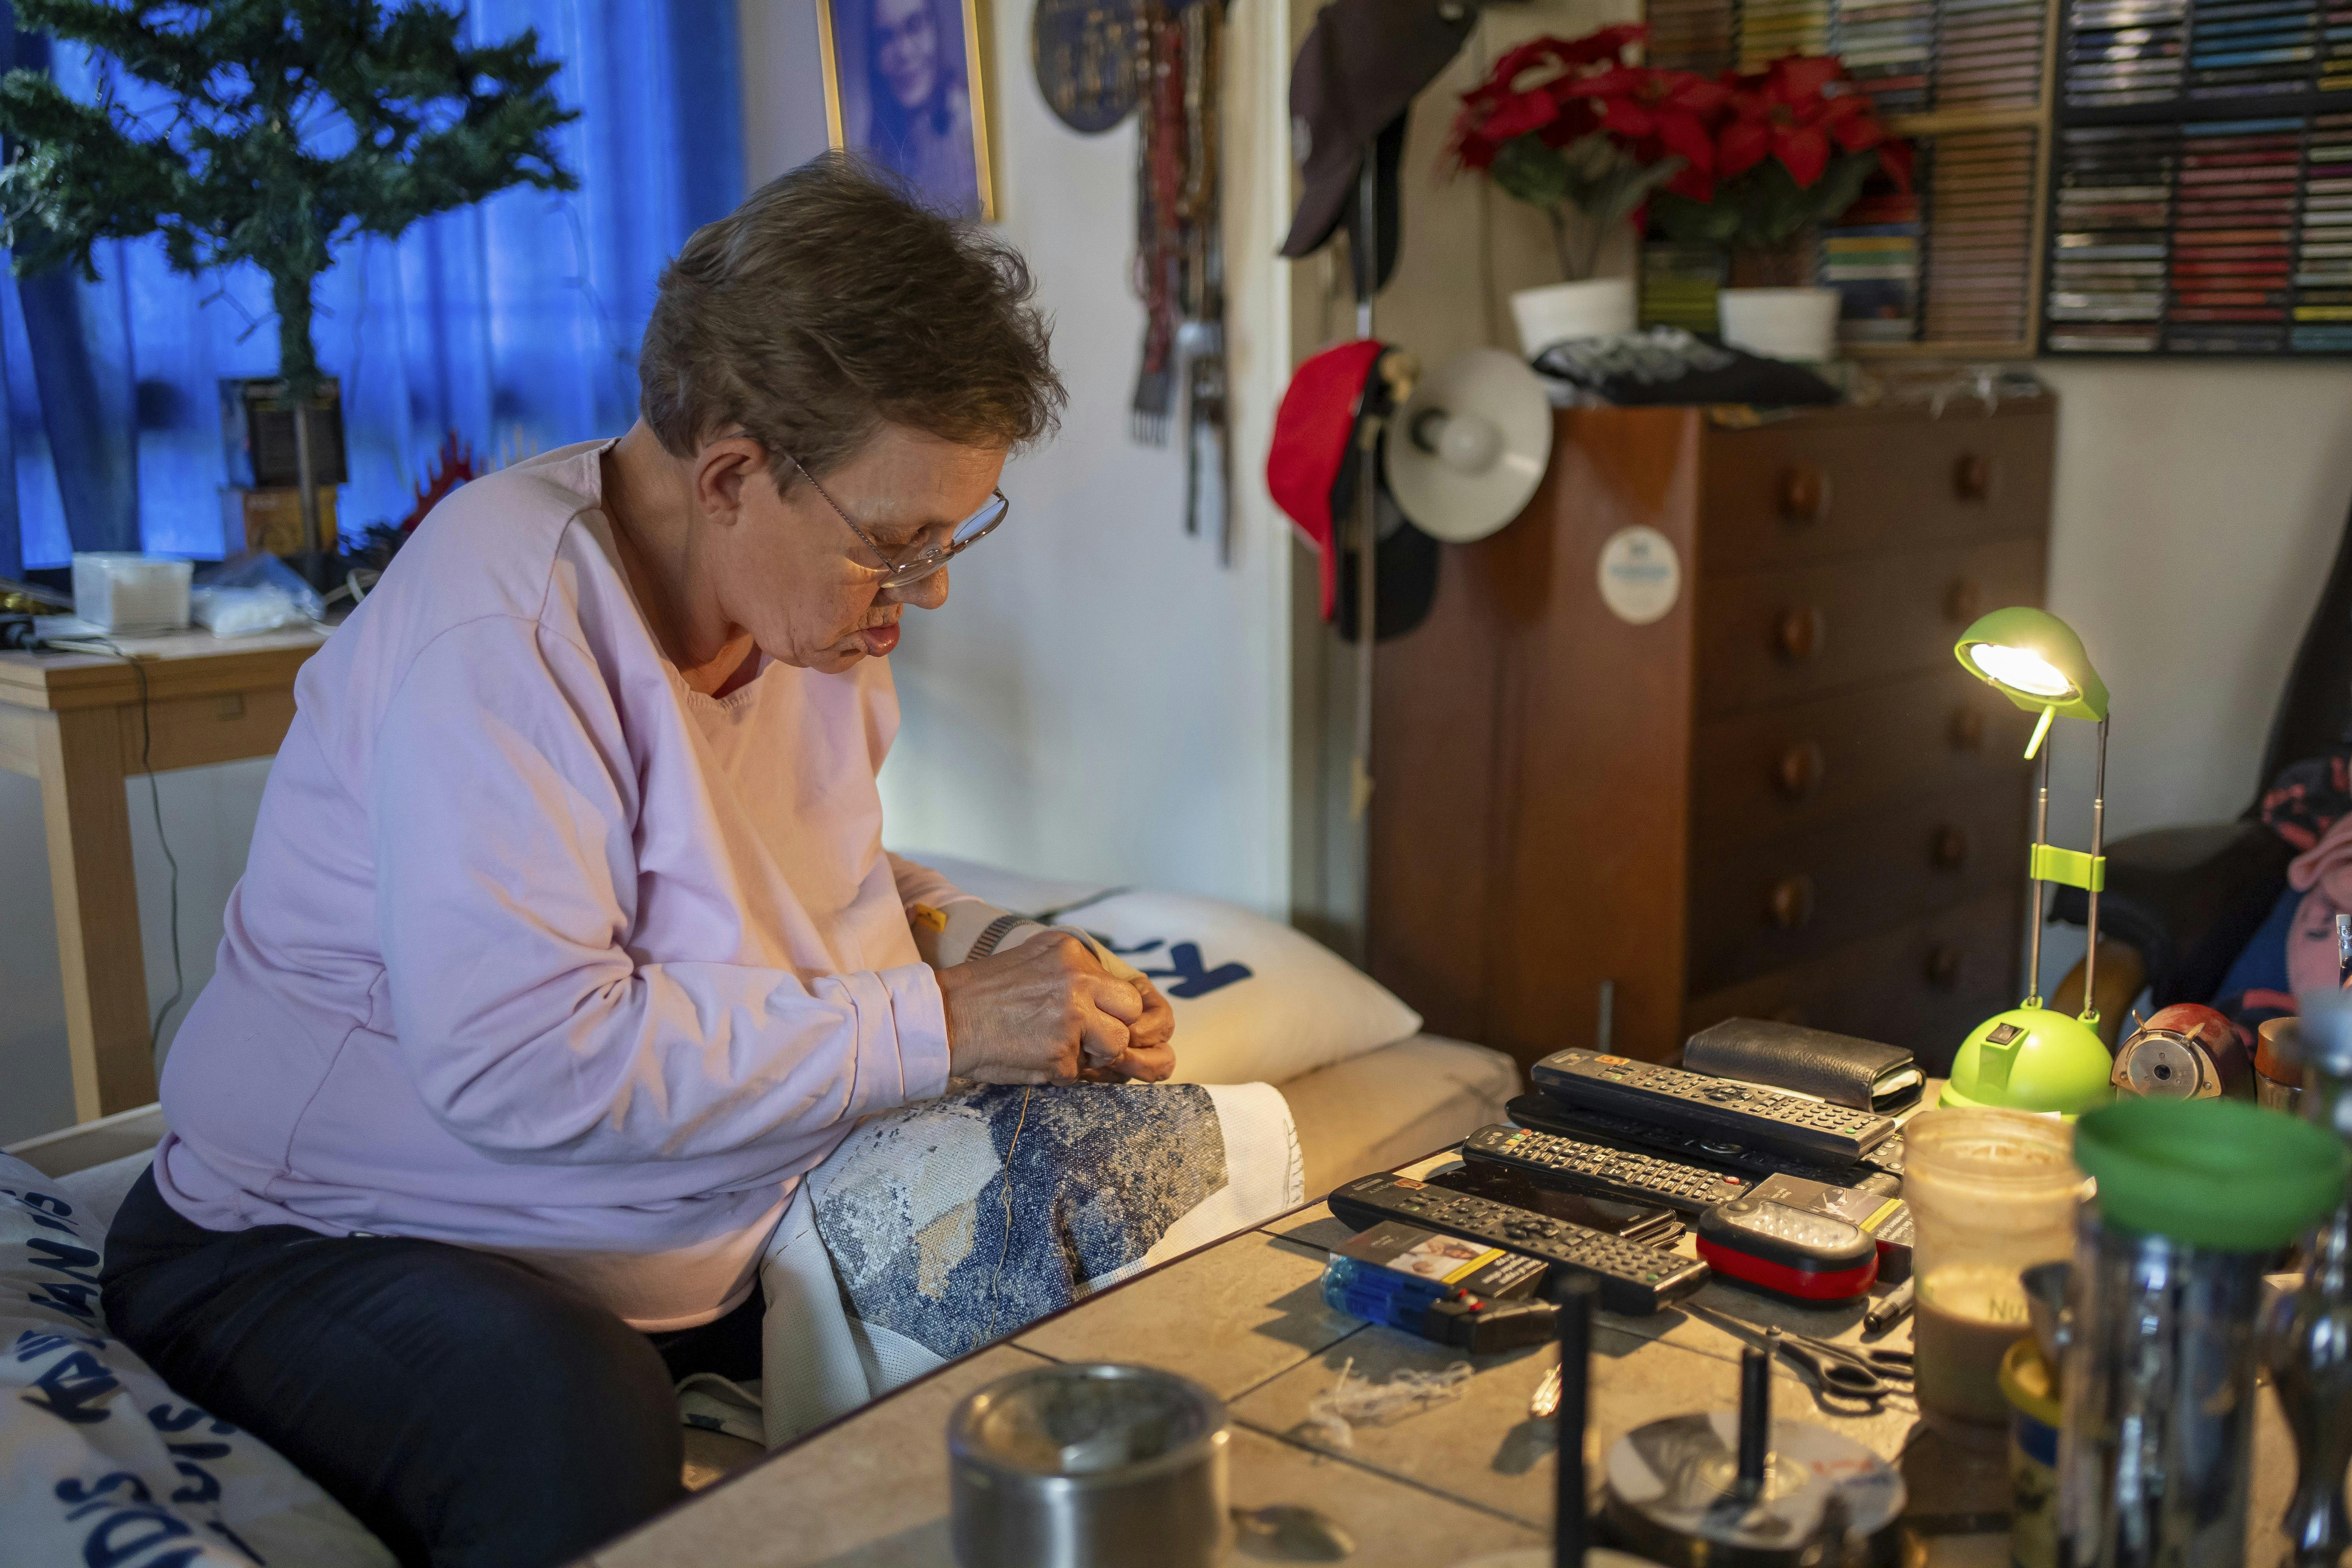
x=1839, y=1068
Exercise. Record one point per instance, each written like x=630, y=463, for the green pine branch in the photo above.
x=296, y=126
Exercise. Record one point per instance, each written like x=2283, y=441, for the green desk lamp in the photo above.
x=2030, y=1059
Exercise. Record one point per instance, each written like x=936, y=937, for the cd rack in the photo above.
x=2201, y=200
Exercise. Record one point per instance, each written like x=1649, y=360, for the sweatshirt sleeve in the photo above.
x=919, y=884
x=504, y=813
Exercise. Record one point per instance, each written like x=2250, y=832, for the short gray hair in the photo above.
x=829, y=304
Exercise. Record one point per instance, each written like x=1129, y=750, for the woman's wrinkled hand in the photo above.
x=1150, y=1054
x=1046, y=1012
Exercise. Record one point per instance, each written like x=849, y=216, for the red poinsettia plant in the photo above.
x=1536, y=127
x=1794, y=145
x=1747, y=161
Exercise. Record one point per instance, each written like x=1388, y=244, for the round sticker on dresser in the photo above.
x=1640, y=576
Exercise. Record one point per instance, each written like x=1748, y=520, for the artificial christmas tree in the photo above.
x=295, y=126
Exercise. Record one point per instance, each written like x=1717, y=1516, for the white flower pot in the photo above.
x=1561, y=310
x=1797, y=324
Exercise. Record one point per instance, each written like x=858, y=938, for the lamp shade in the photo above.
x=2034, y=659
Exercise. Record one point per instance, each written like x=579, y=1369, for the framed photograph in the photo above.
x=904, y=87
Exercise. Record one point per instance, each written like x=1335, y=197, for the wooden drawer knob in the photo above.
x=1804, y=494
x=1798, y=773
x=1975, y=477
x=1951, y=849
x=1799, y=633
x=1943, y=966
x=1967, y=729
x=1963, y=601
x=1790, y=904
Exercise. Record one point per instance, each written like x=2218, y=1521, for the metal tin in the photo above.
x=1066, y=1467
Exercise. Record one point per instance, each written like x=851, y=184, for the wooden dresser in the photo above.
x=1781, y=798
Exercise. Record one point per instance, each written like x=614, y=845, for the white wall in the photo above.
x=208, y=816
x=1099, y=698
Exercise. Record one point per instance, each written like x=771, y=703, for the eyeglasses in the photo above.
x=933, y=547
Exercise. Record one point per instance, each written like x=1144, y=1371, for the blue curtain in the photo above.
x=513, y=324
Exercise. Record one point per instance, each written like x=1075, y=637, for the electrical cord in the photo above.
x=155, y=804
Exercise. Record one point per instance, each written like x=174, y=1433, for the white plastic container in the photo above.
x=126, y=593
x=1799, y=325
x=1559, y=311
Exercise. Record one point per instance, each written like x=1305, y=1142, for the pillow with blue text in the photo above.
x=100, y=1463
x=1255, y=1002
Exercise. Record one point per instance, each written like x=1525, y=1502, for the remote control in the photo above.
x=1634, y=1281
x=1742, y=1112
x=1546, y=1114
x=1632, y=1174
x=1651, y=1225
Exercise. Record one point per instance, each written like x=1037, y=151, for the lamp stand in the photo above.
x=2090, y=1013
x=2034, y=870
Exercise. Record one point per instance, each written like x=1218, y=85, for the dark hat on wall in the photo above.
x=1349, y=87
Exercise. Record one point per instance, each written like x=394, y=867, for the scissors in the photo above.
x=1850, y=1370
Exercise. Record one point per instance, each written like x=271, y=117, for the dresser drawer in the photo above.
x=1843, y=484
x=1828, y=759
x=1923, y=984
x=1755, y=908
x=1781, y=636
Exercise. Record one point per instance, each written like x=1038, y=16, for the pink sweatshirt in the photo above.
x=540, y=952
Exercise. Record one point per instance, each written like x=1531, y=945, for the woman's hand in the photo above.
x=1150, y=1051
x=1046, y=1013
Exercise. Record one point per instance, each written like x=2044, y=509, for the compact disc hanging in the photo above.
x=1466, y=450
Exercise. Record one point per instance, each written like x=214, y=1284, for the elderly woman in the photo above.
x=568, y=943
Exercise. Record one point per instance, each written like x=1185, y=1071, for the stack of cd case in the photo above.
x=1772, y=28
x=2323, y=271
x=2247, y=48
x=1871, y=257
x=2121, y=52
x=2110, y=238
x=1679, y=283
x=1887, y=45
x=1692, y=34
x=2201, y=236
x=1989, y=54
x=1979, y=275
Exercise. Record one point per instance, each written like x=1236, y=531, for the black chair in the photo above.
x=2187, y=900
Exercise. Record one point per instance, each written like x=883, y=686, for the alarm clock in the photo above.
x=2182, y=1052
x=1808, y=1258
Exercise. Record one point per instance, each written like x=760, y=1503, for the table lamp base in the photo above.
x=2030, y=1058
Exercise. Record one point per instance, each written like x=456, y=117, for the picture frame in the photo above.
x=906, y=88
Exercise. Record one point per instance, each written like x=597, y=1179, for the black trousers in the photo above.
x=469, y=1410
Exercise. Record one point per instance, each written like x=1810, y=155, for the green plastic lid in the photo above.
x=2030, y=1058
x=2210, y=1173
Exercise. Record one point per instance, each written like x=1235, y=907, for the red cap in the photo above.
x=1311, y=431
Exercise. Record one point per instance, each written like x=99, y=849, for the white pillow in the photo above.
x=99, y=1460
x=1255, y=1002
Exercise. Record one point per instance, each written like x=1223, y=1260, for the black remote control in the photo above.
x=1636, y=1175
x=1634, y=1281
x=1545, y=1114
x=1727, y=1108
